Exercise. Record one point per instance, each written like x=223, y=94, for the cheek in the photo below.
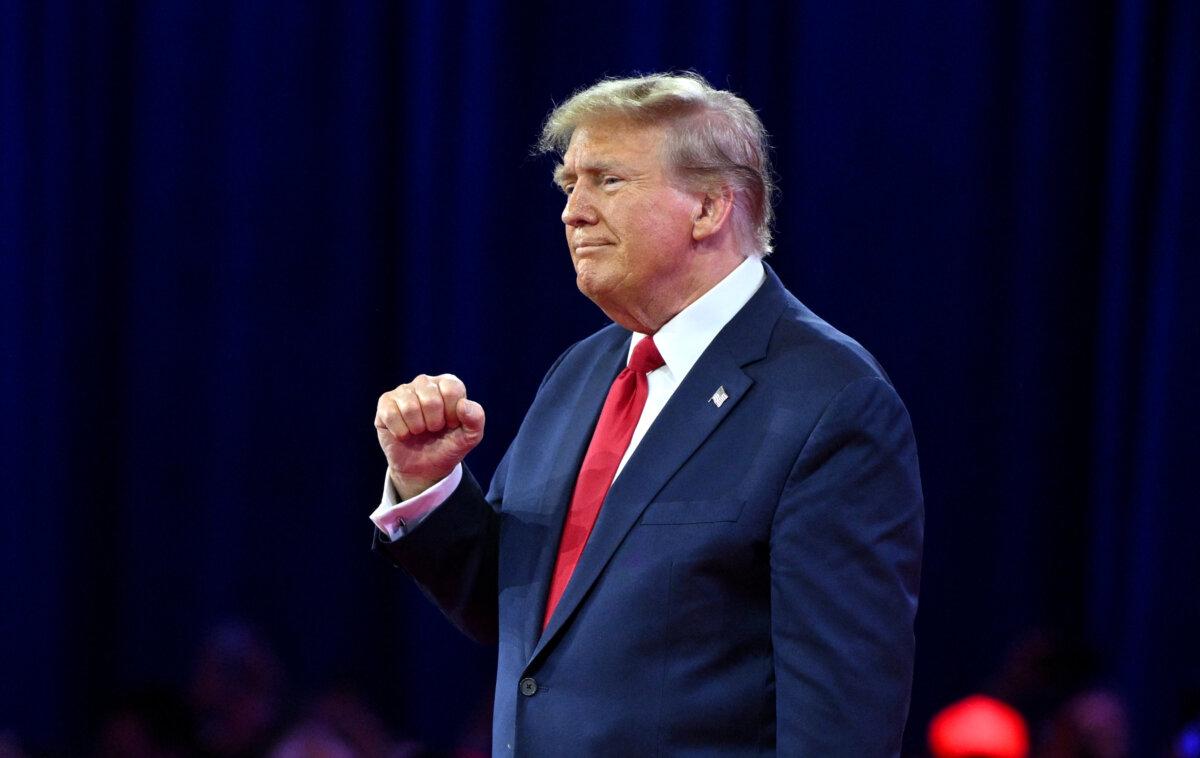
x=669, y=218
x=658, y=235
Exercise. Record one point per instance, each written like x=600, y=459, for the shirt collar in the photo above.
x=682, y=340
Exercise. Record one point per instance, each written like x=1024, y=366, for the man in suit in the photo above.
x=705, y=538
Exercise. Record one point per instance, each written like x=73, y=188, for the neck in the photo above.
x=649, y=317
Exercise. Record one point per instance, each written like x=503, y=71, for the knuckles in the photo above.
x=422, y=404
x=429, y=397
x=410, y=409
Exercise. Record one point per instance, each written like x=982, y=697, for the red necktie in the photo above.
x=622, y=409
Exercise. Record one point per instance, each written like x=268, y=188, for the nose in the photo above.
x=579, y=209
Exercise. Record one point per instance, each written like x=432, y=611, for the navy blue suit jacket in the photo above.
x=750, y=585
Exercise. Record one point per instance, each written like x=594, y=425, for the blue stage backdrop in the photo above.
x=226, y=228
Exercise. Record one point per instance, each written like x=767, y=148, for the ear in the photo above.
x=715, y=212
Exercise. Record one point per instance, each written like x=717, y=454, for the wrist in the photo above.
x=408, y=487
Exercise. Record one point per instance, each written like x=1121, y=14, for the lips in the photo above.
x=586, y=246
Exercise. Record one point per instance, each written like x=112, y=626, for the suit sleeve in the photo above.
x=845, y=567
x=452, y=556
x=453, y=553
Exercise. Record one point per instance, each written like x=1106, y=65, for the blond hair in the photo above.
x=716, y=138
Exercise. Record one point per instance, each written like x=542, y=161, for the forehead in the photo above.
x=602, y=142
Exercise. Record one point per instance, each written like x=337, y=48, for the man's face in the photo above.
x=628, y=226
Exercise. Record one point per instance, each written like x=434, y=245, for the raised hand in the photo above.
x=425, y=428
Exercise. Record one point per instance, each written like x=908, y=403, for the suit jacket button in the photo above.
x=528, y=686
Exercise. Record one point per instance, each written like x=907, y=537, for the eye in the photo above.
x=610, y=181
x=567, y=188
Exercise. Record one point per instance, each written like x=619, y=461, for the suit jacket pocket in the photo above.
x=692, y=511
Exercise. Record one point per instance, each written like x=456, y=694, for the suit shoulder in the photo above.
x=603, y=339
x=809, y=349
x=601, y=342
x=582, y=356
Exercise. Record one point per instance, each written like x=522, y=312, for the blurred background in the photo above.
x=226, y=228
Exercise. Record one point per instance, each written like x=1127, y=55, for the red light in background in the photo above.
x=978, y=727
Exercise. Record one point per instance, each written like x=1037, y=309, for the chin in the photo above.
x=588, y=284
x=587, y=278
x=594, y=286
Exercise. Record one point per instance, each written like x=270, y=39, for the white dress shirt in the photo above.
x=681, y=341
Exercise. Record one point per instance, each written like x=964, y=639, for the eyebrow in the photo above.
x=561, y=173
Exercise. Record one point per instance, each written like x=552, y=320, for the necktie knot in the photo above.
x=645, y=357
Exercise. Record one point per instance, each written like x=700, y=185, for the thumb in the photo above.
x=470, y=413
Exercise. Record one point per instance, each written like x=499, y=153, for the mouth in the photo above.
x=591, y=246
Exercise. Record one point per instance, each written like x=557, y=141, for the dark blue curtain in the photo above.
x=225, y=228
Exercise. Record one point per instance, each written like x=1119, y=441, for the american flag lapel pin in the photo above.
x=720, y=396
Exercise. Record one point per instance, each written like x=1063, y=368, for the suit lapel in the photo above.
x=686, y=421
x=566, y=450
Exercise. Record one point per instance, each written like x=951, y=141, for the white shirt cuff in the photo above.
x=396, y=518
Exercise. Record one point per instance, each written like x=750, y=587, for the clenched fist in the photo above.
x=426, y=427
